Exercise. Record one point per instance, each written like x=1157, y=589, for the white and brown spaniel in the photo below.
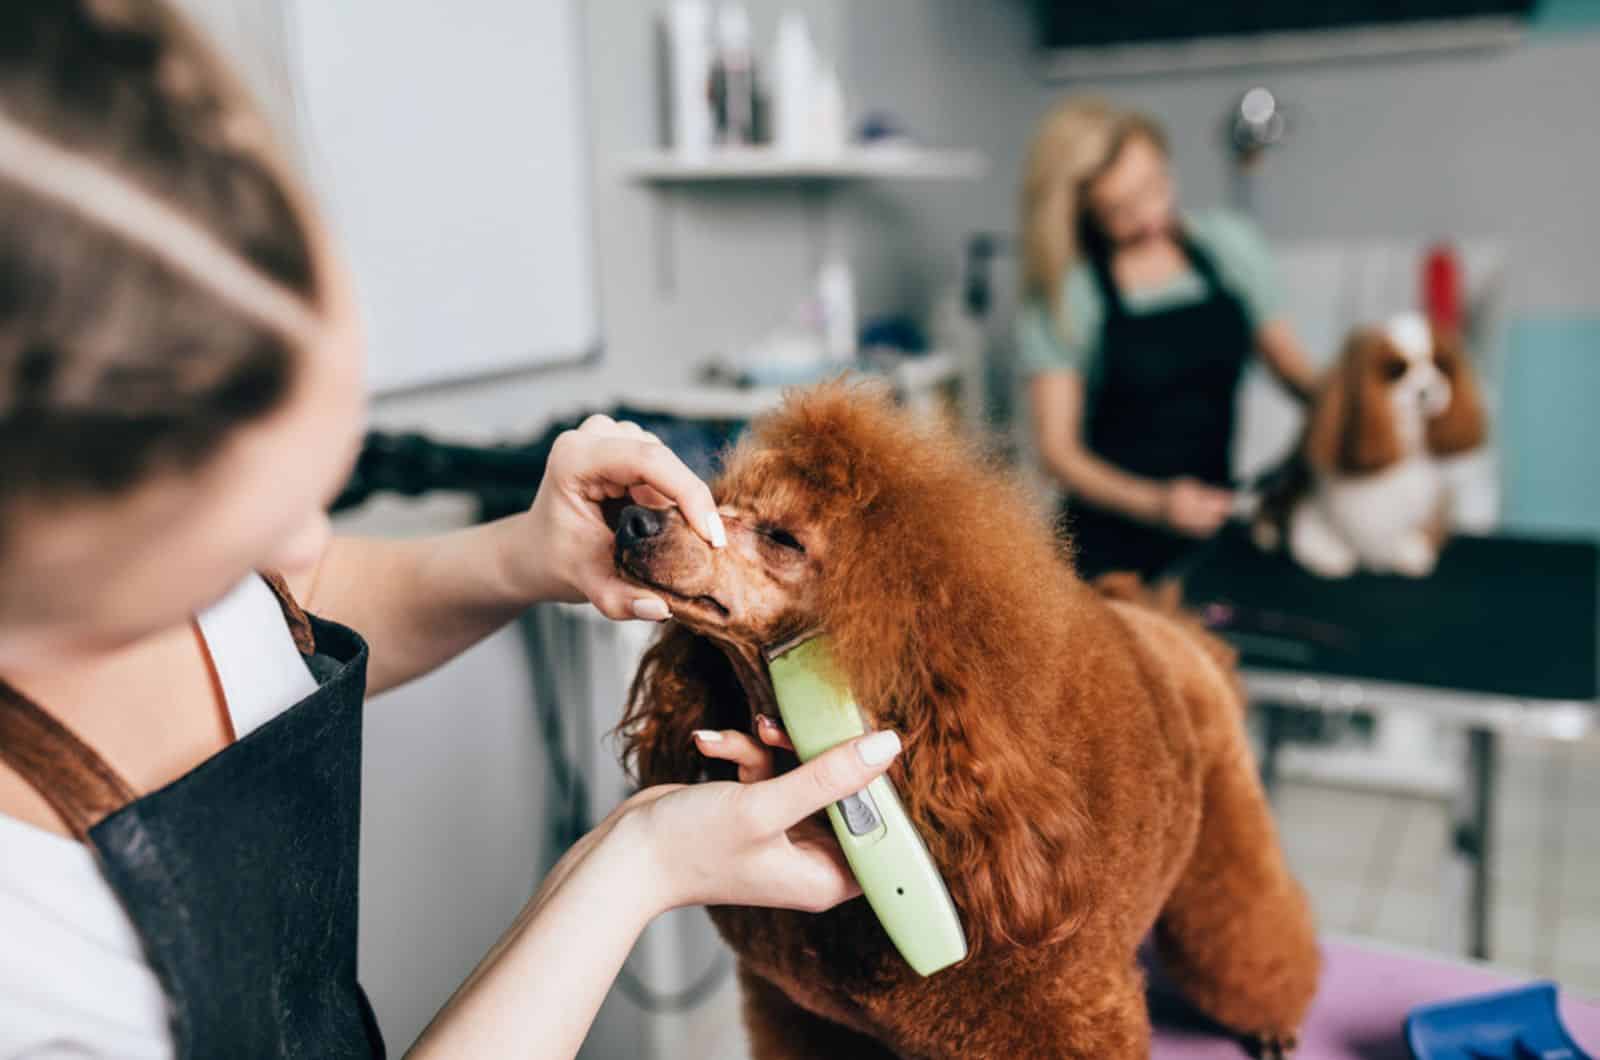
x=1367, y=487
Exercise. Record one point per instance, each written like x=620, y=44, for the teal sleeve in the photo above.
x=1244, y=261
x=1046, y=343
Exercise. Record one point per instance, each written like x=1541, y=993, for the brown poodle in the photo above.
x=1075, y=758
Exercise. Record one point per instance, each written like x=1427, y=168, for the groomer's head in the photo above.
x=1094, y=170
x=180, y=378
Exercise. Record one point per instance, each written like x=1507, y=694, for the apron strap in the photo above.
x=1203, y=264
x=70, y=775
x=299, y=622
x=1100, y=269
x=66, y=772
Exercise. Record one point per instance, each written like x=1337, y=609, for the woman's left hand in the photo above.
x=571, y=543
x=762, y=841
x=755, y=763
x=754, y=760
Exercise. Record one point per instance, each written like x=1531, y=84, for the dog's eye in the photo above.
x=1393, y=370
x=783, y=539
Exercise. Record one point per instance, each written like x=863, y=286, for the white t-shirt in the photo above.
x=73, y=978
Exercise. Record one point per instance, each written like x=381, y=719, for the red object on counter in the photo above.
x=1442, y=283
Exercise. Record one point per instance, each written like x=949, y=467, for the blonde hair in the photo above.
x=1075, y=143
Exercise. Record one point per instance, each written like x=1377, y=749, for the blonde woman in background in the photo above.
x=1137, y=325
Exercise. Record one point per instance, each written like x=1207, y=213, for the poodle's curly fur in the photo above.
x=1074, y=757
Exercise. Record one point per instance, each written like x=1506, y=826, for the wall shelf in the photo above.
x=854, y=163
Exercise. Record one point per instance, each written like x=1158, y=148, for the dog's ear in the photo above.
x=940, y=655
x=1018, y=855
x=1463, y=425
x=1328, y=420
x=1352, y=429
x=684, y=683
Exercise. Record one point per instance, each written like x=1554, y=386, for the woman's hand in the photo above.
x=753, y=759
x=538, y=989
x=755, y=765
x=1191, y=507
x=754, y=843
x=568, y=554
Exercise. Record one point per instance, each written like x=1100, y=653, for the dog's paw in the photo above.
x=1274, y=1046
x=1318, y=547
x=1326, y=557
x=1414, y=556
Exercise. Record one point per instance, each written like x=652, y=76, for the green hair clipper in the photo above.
x=888, y=857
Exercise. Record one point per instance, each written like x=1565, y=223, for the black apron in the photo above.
x=1163, y=408
x=240, y=876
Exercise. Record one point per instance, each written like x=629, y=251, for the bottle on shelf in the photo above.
x=687, y=58
x=794, y=74
x=828, y=133
x=733, y=81
x=836, y=304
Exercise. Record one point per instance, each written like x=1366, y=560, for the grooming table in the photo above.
x=1501, y=638
x=1360, y=1011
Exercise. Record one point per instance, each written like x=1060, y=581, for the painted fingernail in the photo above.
x=878, y=748
x=708, y=735
x=765, y=721
x=651, y=610
x=714, y=530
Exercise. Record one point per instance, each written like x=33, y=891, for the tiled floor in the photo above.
x=1379, y=865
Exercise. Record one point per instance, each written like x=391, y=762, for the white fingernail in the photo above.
x=651, y=609
x=878, y=748
x=708, y=735
x=714, y=531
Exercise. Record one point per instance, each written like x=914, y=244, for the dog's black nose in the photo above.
x=638, y=524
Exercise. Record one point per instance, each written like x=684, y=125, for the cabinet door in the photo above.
x=447, y=144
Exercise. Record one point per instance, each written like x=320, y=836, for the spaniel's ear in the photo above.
x=1352, y=424
x=1463, y=425
x=684, y=683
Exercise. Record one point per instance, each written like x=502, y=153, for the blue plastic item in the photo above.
x=1519, y=1024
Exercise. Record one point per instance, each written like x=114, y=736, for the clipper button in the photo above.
x=860, y=814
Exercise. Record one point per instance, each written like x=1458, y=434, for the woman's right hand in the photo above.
x=1191, y=507
x=719, y=844
x=747, y=843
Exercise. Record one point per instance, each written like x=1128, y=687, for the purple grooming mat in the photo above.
x=1360, y=1012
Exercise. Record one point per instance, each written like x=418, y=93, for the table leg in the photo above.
x=1474, y=836
x=1274, y=734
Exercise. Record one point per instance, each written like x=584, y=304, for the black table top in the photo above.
x=1507, y=615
